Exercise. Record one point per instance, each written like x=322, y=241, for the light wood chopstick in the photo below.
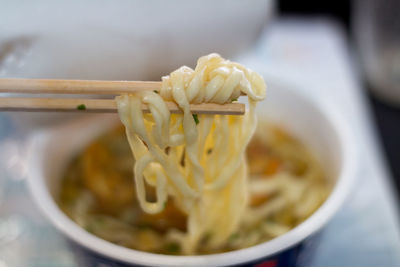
x=105, y=105
x=84, y=87
x=88, y=87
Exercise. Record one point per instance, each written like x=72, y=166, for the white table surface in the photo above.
x=312, y=54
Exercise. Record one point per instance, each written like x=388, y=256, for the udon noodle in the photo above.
x=200, y=188
x=211, y=188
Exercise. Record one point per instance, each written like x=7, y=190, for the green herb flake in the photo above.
x=89, y=228
x=235, y=99
x=209, y=151
x=81, y=107
x=207, y=237
x=234, y=236
x=144, y=226
x=155, y=91
x=172, y=248
x=196, y=118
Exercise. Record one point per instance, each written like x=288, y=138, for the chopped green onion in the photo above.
x=234, y=236
x=172, y=248
x=196, y=118
x=81, y=107
x=206, y=238
x=89, y=228
x=144, y=226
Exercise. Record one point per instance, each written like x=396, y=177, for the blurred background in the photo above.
x=344, y=51
x=373, y=35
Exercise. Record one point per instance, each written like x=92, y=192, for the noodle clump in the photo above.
x=197, y=161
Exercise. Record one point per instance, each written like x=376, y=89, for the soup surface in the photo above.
x=286, y=186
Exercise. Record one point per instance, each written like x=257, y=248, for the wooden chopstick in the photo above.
x=90, y=87
x=78, y=87
x=106, y=106
x=85, y=87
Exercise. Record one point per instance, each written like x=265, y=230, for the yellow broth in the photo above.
x=98, y=193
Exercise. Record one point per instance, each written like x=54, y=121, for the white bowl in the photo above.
x=316, y=125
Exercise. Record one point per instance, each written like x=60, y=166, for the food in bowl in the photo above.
x=190, y=171
x=292, y=109
x=287, y=184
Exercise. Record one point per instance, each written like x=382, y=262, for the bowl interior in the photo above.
x=305, y=119
x=61, y=144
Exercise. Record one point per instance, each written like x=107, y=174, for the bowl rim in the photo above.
x=310, y=226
